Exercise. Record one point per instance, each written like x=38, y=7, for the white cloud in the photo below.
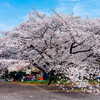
x=80, y=7
x=7, y=4
x=62, y=7
x=79, y=10
x=84, y=9
x=4, y=27
x=96, y=11
x=65, y=6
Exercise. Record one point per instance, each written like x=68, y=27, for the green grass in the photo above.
x=93, y=81
x=38, y=82
x=45, y=82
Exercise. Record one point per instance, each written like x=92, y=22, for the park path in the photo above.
x=40, y=92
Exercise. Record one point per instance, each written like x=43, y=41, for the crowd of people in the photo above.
x=30, y=75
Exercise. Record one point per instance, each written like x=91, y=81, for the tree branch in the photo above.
x=87, y=57
x=82, y=51
x=72, y=46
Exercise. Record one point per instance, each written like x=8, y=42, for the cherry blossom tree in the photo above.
x=69, y=44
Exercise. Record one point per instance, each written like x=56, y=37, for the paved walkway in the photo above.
x=36, y=92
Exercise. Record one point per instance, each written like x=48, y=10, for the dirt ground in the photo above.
x=36, y=92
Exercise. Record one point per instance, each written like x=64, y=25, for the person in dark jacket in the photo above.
x=52, y=76
x=17, y=75
x=45, y=76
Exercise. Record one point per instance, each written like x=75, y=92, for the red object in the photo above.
x=40, y=78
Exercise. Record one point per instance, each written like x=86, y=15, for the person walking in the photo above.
x=52, y=77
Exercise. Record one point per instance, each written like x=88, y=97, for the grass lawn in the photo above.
x=45, y=82
x=34, y=82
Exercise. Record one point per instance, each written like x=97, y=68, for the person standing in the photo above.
x=52, y=77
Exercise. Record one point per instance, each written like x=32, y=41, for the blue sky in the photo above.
x=13, y=12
